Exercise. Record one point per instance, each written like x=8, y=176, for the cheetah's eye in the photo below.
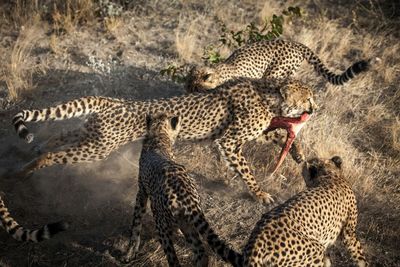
x=206, y=77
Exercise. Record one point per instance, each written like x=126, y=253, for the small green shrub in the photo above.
x=211, y=54
x=107, y=8
x=175, y=73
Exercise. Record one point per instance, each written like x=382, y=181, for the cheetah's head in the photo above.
x=316, y=169
x=297, y=99
x=163, y=127
x=201, y=80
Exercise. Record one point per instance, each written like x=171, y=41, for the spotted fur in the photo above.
x=175, y=202
x=276, y=59
x=298, y=232
x=21, y=234
x=240, y=111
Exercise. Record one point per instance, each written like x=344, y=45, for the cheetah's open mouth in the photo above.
x=293, y=127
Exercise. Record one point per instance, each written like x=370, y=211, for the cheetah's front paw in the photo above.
x=299, y=158
x=130, y=255
x=264, y=197
x=132, y=250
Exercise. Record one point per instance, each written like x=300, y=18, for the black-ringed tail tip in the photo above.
x=20, y=128
x=350, y=73
x=22, y=234
x=49, y=230
x=361, y=66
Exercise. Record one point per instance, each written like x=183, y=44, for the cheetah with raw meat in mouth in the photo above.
x=231, y=115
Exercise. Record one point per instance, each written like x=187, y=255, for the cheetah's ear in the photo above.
x=174, y=122
x=337, y=161
x=313, y=170
x=148, y=121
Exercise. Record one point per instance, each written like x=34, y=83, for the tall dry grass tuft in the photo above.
x=63, y=22
x=394, y=130
x=54, y=44
x=67, y=15
x=64, y=14
x=269, y=9
x=72, y=11
x=19, y=71
x=22, y=11
x=29, y=18
x=187, y=36
x=112, y=24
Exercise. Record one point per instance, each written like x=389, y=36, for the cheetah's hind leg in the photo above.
x=136, y=228
x=193, y=238
x=88, y=151
x=61, y=141
x=165, y=233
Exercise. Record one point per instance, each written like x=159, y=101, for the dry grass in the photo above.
x=22, y=11
x=111, y=24
x=359, y=121
x=187, y=37
x=21, y=67
x=28, y=17
x=67, y=15
x=394, y=133
x=54, y=44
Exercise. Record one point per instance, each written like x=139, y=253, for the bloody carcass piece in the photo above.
x=293, y=127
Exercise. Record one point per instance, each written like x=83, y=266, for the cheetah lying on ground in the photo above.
x=298, y=232
x=175, y=202
x=276, y=59
x=231, y=115
x=21, y=234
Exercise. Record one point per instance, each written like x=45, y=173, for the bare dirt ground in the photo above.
x=122, y=57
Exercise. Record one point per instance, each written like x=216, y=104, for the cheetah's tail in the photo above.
x=217, y=245
x=70, y=109
x=337, y=79
x=21, y=234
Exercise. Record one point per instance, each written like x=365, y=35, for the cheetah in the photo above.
x=274, y=60
x=269, y=59
x=240, y=111
x=21, y=234
x=175, y=202
x=298, y=232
